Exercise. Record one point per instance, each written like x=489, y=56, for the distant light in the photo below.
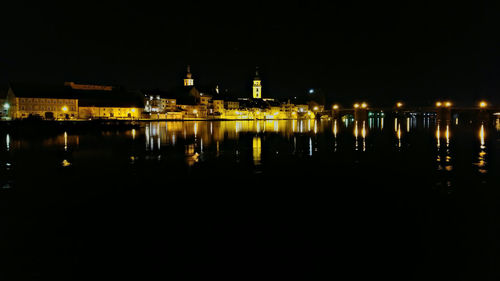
x=6, y=106
x=133, y=110
x=363, y=105
x=483, y=104
x=195, y=111
x=64, y=108
x=438, y=104
x=335, y=106
x=356, y=105
x=311, y=91
x=315, y=108
x=399, y=104
x=447, y=104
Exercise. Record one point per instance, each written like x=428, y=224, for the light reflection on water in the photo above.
x=200, y=141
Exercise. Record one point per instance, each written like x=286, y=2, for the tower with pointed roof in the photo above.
x=257, y=87
x=188, y=81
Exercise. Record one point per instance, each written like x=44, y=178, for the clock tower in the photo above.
x=257, y=87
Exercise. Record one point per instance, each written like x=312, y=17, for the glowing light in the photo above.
x=356, y=105
x=6, y=106
x=315, y=108
x=438, y=104
x=483, y=104
x=335, y=107
x=195, y=111
x=133, y=110
x=399, y=104
x=447, y=104
x=64, y=108
x=311, y=91
x=364, y=105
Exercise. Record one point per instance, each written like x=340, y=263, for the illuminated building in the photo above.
x=42, y=101
x=257, y=87
x=189, y=81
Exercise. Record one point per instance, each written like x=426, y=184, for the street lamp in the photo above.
x=356, y=105
x=399, y=104
x=438, y=104
x=483, y=104
x=364, y=105
x=447, y=104
x=335, y=107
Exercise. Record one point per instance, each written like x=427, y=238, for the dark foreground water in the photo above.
x=311, y=200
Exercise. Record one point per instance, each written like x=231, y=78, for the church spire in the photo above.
x=188, y=81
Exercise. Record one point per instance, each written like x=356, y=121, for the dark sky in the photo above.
x=416, y=50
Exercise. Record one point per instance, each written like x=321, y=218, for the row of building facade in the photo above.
x=73, y=101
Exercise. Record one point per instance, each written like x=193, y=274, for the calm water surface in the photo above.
x=410, y=199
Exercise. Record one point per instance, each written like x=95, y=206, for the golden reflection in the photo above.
x=395, y=124
x=65, y=163
x=363, y=135
x=438, y=136
x=447, y=134
x=408, y=124
x=257, y=150
x=133, y=134
x=192, y=157
x=335, y=134
x=65, y=141
x=382, y=123
x=335, y=129
x=399, y=135
x=356, y=134
x=481, y=159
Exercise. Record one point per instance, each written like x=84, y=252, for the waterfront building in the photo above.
x=72, y=101
x=41, y=101
x=231, y=104
x=106, y=102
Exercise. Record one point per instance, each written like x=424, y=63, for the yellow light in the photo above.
x=294, y=113
x=335, y=107
x=447, y=104
x=483, y=104
x=399, y=104
x=133, y=110
x=64, y=108
x=195, y=111
x=315, y=108
x=356, y=105
x=363, y=105
x=438, y=104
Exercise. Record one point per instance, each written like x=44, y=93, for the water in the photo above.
x=394, y=198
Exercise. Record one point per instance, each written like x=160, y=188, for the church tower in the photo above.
x=257, y=87
x=188, y=81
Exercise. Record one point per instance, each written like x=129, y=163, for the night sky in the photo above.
x=375, y=50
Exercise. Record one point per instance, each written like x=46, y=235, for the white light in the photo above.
x=311, y=91
x=6, y=106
